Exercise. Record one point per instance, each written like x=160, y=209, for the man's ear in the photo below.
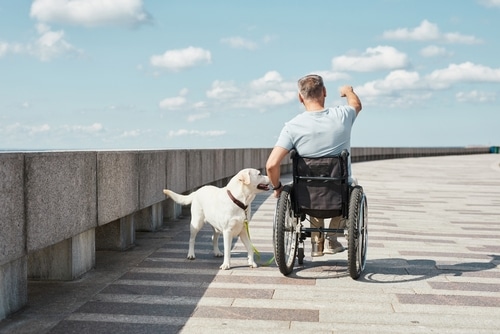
x=301, y=99
x=244, y=177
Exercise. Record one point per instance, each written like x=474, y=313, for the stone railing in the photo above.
x=58, y=208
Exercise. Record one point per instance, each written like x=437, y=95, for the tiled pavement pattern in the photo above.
x=433, y=256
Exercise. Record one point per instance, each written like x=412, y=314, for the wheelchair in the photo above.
x=320, y=188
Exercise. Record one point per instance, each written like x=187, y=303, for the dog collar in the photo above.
x=235, y=201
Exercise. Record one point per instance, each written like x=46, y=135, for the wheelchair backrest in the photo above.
x=321, y=185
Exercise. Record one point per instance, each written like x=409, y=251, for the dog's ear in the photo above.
x=244, y=177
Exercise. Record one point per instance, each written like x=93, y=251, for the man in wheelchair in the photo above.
x=317, y=132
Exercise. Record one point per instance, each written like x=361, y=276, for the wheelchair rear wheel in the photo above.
x=285, y=234
x=357, y=232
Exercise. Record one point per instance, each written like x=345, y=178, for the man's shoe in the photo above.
x=333, y=247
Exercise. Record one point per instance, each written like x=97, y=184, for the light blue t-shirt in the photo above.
x=321, y=133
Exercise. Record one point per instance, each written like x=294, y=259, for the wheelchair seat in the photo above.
x=321, y=185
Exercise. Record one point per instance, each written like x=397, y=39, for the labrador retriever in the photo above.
x=226, y=209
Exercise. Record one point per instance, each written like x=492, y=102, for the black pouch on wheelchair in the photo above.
x=321, y=185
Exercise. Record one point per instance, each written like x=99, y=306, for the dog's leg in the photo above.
x=215, y=241
x=196, y=225
x=228, y=238
x=192, y=239
x=248, y=245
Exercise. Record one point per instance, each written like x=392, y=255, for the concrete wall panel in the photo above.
x=207, y=166
x=60, y=190
x=220, y=166
x=12, y=236
x=177, y=170
x=152, y=177
x=194, y=176
x=117, y=185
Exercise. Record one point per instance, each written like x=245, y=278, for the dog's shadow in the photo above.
x=390, y=270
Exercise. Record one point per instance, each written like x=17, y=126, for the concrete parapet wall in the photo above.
x=56, y=208
x=359, y=154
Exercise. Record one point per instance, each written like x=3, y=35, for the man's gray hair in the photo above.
x=311, y=86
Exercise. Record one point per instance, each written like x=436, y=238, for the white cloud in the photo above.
x=173, y=103
x=222, y=90
x=434, y=51
x=270, y=79
x=239, y=43
x=395, y=81
x=6, y=48
x=94, y=128
x=403, y=88
x=33, y=130
x=402, y=80
x=475, y=96
x=197, y=117
x=18, y=128
x=180, y=59
x=184, y=132
x=332, y=76
x=131, y=134
x=490, y=3
x=374, y=59
x=269, y=90
x=44, y=128
x=428, y=31
x=90, y=12
x=465, y=72
x=268, y=39
x=271, y=98
x=50, y=44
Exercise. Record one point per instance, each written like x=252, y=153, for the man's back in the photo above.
x=320, y=133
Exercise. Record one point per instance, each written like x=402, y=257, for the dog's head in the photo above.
x=253, y=179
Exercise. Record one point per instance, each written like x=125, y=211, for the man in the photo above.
x=317, y=132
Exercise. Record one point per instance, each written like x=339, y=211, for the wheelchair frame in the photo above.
x=289, y=232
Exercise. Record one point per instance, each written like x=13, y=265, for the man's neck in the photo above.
x=314, y=107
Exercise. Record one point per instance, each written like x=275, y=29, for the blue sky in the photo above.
x=151, y=74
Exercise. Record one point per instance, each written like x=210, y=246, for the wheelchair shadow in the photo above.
x=326, y=267
x=399, y=270
x=391, y=270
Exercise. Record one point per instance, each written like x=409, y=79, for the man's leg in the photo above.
x=333, y=245
x=317, y=238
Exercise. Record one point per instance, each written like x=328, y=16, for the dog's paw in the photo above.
x=218, y=254
x=252, y=264
x=225, y=266
x=191, y=257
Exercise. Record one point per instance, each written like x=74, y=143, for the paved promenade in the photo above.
x=432, y=267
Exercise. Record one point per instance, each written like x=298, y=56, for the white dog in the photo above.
x=226, y=209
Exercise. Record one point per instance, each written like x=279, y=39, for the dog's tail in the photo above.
x=178, y=198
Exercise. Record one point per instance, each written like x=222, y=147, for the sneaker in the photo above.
x=316, y=254
x=333, y=247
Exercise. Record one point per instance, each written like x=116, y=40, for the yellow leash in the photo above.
x=268, y=263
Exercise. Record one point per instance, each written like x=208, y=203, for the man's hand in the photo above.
x=344, y=90
x=352, y=98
